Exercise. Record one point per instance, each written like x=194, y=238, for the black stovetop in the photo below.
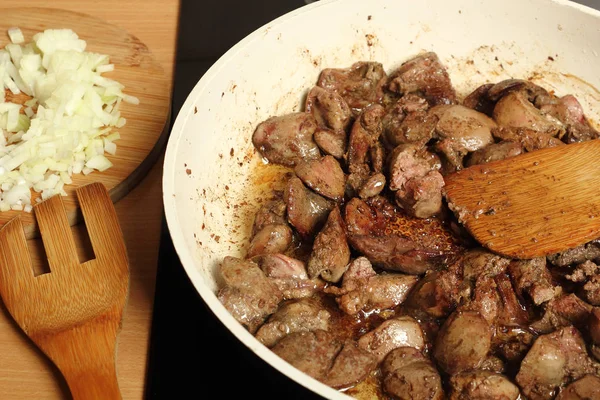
x=192, y=355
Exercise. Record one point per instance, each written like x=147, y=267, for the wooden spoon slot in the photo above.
x=85, y=251
x=38, y=256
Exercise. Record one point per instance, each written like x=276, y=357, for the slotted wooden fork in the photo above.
x=73, y=313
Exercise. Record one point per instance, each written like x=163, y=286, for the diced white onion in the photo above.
x=16, y=35
x=98, y=162
x=105, y=68
x=130, y=99
x=18, y=193
x=113, y=136
x=66, y=127
x=16, y=53
x=110, y=147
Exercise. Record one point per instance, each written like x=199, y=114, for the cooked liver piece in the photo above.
x=455, y=354
x=411, y=102
x=288, y=139
x=364, y=289
x=289, y=275
x=408, y=161
x=364, y=136
x=421, y=196
x=482, y=385
x=351, y=365
x=372, y=186
x=436, y=293
x=329, y=109
x=281, y=266
x=248, y=294
x=331, y=253
x=417, y=127
x=532, y=277
x=270, y=239
x=586, y=388
x=407, y=121
x=482, y=263
x=495, y=300
x=272, y=213
x=365, y=132
x=360, y=85
x=530, y=139
x=415, y=178
x=563, y=311
x=312, y=352
x=395, y=241
x=494, y=152
x=294, y=316
x=424, y=75
x=513, y=342
x=554, y=360
x=408, y=375
x=479, y=100
x=516, y=111
x=393, y=333
x=529, y=90
x=460, y=130
x=377, y=157
x=324, y=176
x=320, y=355
x=569, y=111
x=306, y=210
x=332, y=143
x=357, y=178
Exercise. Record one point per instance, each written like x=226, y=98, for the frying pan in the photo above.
x=212, y=181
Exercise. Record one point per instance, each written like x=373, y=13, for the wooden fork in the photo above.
x=73, y=313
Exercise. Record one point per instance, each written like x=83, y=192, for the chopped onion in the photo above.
x=66, y=127
x=110, y=147
x=18, y=193
x=130, y=99
x=16, y=53
x=98, y=162
x=105, y=68
x=15, y=35
x=113, y=136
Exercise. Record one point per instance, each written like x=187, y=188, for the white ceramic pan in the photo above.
x=209, y=180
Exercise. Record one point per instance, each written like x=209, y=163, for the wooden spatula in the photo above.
x=534, y=204
x=74, y=312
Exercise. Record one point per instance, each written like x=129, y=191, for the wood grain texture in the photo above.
x=531, y=205
x=136, y=68
x=24, y=371
x=73, y=313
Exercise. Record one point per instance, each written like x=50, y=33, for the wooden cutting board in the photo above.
x=135, y=67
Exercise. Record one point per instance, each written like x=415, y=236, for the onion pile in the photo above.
x=68, y=122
